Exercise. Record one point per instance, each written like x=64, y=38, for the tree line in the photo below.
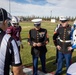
x=29, y=18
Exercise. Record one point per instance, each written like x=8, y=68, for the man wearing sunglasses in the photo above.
x=63, y=43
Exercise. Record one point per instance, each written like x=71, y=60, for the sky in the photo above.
x=41, y=8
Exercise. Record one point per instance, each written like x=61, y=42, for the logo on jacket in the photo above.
x=42, y=34
x=69, y=32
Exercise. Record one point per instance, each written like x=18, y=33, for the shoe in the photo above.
x=58, y=74
x=54, y=63
x=45, y=72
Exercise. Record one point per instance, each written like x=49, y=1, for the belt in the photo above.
x=66, y=41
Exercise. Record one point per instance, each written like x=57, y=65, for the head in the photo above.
x=63, y=21
x=37, y=23
x=4, y=19
x=15, y=21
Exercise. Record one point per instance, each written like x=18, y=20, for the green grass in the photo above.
x=51, y=53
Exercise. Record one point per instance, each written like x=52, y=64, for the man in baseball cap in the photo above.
x=9, y=53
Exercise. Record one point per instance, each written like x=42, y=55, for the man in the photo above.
x=9, y=54
x=63, y=44
x=14, y=30
x=38, y=39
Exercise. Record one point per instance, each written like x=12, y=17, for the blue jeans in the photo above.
x=60, y=61
x=35, y=63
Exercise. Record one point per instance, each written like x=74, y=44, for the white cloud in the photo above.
x=60, y=7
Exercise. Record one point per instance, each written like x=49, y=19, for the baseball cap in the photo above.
x=3, y=15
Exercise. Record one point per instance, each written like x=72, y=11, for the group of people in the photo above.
x=10, y=42
x=63, y=38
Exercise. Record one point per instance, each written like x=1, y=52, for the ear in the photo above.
x=4, y=23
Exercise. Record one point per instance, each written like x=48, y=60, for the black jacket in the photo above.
x=38, y=36
x=64, y=34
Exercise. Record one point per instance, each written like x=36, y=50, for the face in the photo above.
x=37, y=26
x=64, y=23
x=5, y=24
x=15, y=24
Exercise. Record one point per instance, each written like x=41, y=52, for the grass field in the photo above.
x=50, y=56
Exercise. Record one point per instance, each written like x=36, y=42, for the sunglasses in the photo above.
x=64, y=21
x=15, y=23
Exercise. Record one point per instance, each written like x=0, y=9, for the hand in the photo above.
x=58, y=47
x=70, y=48
x=39, y=44
x=34, y=44
x=22, y=46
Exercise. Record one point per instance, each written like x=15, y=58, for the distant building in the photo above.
x=53, y=20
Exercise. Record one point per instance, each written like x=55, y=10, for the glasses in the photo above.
x=15, y=23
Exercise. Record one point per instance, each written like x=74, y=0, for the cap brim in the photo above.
x=36, y=20
x=9, y=17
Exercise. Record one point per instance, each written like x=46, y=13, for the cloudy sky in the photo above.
x=40, y=7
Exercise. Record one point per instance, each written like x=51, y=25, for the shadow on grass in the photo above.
x=50, y=67
x=49, y=64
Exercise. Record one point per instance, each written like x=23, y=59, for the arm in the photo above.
x=17, y=70
x=16, y=59
x=21, y=42
x=55, y=35
x=29, y=39
x=20, y=37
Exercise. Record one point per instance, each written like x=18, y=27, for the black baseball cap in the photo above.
x=3, y=14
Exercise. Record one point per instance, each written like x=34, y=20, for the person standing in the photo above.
x=63, y=44
x=38, y=38
x=14, y=30
x=9, y=53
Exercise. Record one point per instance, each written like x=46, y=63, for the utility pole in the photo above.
x=10, y=6
x=51, y=13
